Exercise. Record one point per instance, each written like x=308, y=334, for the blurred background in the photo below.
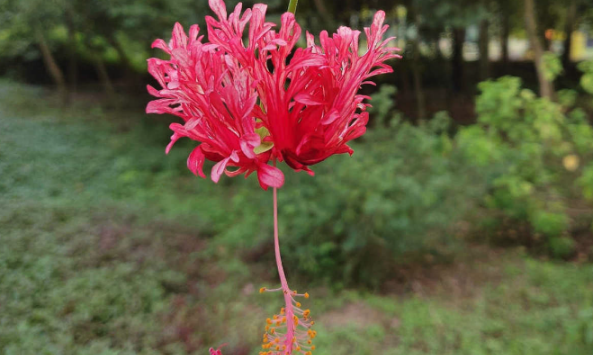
x=461, y=225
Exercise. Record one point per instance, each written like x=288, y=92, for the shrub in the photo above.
x=534, y=150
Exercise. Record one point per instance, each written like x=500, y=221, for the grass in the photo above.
x=107, y=247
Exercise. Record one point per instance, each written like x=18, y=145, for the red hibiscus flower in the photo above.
x=248, y=104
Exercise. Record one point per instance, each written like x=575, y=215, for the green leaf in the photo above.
x=263, y=132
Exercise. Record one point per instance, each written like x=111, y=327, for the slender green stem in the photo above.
x=292, y=6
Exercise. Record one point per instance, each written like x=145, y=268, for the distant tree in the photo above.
x=30, y=21
x=546, y=86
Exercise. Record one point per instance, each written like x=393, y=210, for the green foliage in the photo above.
x=533, y=149
x=550, y=224
x=552, y=66
x=587, y=77
x=561, y=247
x=586, y=181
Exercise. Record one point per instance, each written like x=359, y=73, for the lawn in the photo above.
x=109, y=247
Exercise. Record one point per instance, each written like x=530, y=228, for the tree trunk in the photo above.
x=571, y=14
x=104, y=78
x=484, y=53
x=72, y=64
x=546, y=87
x=325, y=14
x=101, y=70
x=129, y=76
x=504, y=41
x=52, y=67
x=417, y=77
x=458, y=77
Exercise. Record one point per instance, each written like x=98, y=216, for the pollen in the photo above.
x=269, y=321
x=298, y=348
x=281, y=310
x=306, y=295
x=306, y=313
x=312, y=347
x=262, y=290
x=298, y=304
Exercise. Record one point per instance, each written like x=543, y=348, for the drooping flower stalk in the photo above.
x=290, y=330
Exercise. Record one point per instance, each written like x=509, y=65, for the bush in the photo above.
x=534, y=150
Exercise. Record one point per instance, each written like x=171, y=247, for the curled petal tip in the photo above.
x=269, y=176
x=218, y=7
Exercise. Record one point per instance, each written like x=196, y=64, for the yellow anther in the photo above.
x=267, y=328
x=313, y=347
x=283, y=319
x=298, y=348
x=294, y=292
x=306, y=313
x=272, y=331
x=278, y=347
x=298, y=304
x=309, y=342
x=283, y=347
x=276, y=341
x=275, y=316
x=281, y=310
x=269, y=321
x=262, y=290
x=308, y=353
x=278, y=323
x=306, y=295
x=312, y=322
